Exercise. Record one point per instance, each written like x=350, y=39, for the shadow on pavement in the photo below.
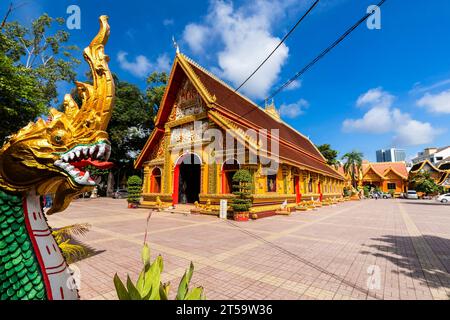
x=400, y=250
x=431, y=203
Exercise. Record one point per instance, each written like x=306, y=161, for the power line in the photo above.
x=324, y=52
x=276, y=48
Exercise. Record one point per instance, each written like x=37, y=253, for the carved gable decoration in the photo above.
x=187, y=103
x=371, y=175
x=158, y=151
x=392, y=175
x=189, y=132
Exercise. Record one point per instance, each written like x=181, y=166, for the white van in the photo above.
x=412, y=194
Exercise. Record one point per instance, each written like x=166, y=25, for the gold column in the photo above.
x=147, y=177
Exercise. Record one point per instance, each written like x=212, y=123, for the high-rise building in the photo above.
x=391, y=155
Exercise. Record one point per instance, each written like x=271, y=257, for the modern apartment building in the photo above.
x=434, y=155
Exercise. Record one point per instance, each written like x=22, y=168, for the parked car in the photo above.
x=386, y=195
x=381, y=195
x=120, y=194
x=412, y=194
x=444, y=198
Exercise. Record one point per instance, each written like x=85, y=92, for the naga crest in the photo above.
x=48, y=156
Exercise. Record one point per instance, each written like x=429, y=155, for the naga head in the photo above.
x=48, y=156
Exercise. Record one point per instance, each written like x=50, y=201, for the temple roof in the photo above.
x=294, y=147
x=418, y=166
x=444, y=164
x=382, y=168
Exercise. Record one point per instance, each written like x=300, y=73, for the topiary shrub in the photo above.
x=242, y=190
x=134, y=189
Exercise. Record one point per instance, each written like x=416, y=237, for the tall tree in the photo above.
x=329, y=154
x=353, y=163
x=156, y=85
x=129, y=125
x=32, y=60
x=423, y=182
x=131, y=122
x=20, y=102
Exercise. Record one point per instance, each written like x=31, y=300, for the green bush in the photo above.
x=366, y=191
x=242, y=189
x=134, y=189
x=347, y=192
x=149, y=285
x=392, y=192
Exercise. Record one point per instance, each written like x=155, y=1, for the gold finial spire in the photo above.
x=175, y=45
x=272, y=110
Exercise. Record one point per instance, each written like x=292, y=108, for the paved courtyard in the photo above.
x=371, y=249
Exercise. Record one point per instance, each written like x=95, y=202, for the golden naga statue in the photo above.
x=49, y=157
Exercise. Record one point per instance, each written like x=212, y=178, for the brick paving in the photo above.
x=371, y=249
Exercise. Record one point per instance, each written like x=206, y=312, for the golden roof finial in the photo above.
x=272, y=110
x=175, y=45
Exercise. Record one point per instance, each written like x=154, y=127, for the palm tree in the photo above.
x=71, y=251
x=353, y=164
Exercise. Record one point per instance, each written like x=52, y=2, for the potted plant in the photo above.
x=242, y=202
x=134, y=191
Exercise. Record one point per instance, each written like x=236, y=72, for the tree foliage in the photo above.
x=423, y=182
x=156, y=85
x=33, y=60
x=353, y=164
x=329, y=154
x=133, y=118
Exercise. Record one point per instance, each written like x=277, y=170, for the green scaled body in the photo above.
x=20, y=274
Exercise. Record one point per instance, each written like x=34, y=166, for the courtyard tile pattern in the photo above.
x=371, y=249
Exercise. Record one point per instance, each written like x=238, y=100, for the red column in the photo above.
x=320, y=191
x=223, y=181
x=176, y=174
x=297, y=190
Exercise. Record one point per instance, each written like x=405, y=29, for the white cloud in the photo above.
x=383, y=118
x=375, y=98
x=293, y=110
x=141, y=66
x=195, y=36
x=437, y=103
x=294, y=85
x=419, y=88
x=413, y=132
x=245, y=36
x=376, y=120
x=168, y=22
x=162, y=63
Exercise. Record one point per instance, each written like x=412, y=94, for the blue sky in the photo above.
x=378, y=88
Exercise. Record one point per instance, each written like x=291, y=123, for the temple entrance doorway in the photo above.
x=187, y=179
x=229, y=168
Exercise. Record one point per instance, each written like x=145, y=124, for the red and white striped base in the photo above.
x=59, y=283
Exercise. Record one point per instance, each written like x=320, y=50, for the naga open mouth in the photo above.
x=75, y=160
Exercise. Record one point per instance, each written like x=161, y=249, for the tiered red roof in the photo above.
x=381, y=168
x=294, y=147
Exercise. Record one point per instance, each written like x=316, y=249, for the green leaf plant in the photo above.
x=149, y=285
